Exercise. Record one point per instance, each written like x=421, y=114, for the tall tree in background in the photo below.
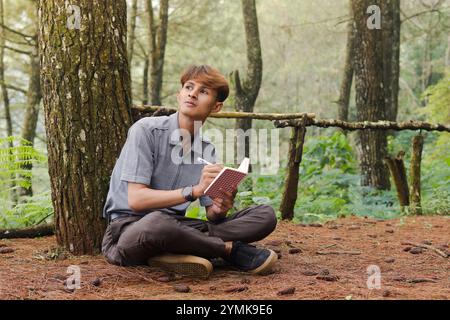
x=86, y=93
x=157, y=48
x=132, y=31
x=247, y=91
x=9, y=131
x=347, y=74
x=370, y=98
x=34, y=96
x=391, y=55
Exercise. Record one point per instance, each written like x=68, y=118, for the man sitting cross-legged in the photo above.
x=151, y=188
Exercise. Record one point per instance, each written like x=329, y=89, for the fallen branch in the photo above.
x=426, y=246
x=31, y=232
x=338, y=252
x=378, y=125
x=283, y=120
x=420, y=280
x=234, y=115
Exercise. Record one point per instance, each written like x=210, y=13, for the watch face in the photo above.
x=187, y=193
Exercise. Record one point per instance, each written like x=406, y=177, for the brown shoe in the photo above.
x=188, y=265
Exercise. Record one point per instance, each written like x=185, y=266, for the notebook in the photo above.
x=228, y=179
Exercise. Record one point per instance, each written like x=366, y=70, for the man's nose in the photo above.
x=193, y=93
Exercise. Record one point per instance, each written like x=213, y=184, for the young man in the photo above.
x=150, y=191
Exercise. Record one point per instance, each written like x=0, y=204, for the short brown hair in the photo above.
x=210, y=77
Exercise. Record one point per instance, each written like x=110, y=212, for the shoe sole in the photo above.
x=188, y=265
x=266, y=267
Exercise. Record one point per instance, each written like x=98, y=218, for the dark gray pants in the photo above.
x=131, y=240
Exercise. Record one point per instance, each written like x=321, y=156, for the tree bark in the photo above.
x=398, y=172
x=414, y=174
x=370, y=103
x=247, y=91
x=289, y=197
x=347, y=75
x=132, y=31
x=86, y=90
x=157, y=48
x=34, y=96
x=145, y=82
x=391, y=56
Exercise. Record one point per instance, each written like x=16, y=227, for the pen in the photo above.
x=203, y=161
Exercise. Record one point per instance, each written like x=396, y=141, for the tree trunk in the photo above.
x=131, y=35
x=370, y=103
x=289, y=197
x=391, y=56
x=347, y=76
x=398, y=172
x=414, y=174
x=34, y=96
x=247, y=91
x=157, y=48
x=145, y=82
x=9, y=131
x=86, y=93
x=132, y=31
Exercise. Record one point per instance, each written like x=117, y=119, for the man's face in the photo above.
x=197, y=101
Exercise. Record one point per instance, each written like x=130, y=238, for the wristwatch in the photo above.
x=187, y=193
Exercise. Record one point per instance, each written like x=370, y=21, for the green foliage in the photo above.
x=30, y=210
x=330, y=187
x=323, y=153
x=438, y=110
x=35, y=210
x=438, y=96
x=12, y=160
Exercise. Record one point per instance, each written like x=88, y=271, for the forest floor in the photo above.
x=327, y=261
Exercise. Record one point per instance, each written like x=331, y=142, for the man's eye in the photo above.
x=204, y=91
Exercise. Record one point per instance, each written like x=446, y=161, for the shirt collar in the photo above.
x=174, y=125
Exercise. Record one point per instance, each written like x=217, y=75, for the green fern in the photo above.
x=13, y=174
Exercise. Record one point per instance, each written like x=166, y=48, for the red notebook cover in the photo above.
x=228, y=179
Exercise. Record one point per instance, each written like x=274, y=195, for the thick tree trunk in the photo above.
x=34, y=96
x=347, y=75
x=86, y=93
x=370, y=101
x=157, y=48
x=247, y=90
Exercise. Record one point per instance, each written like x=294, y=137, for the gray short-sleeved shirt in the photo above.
x=152, y=155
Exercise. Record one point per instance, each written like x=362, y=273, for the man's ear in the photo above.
x=217, y=107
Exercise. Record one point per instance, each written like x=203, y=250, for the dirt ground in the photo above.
x=317, y=262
